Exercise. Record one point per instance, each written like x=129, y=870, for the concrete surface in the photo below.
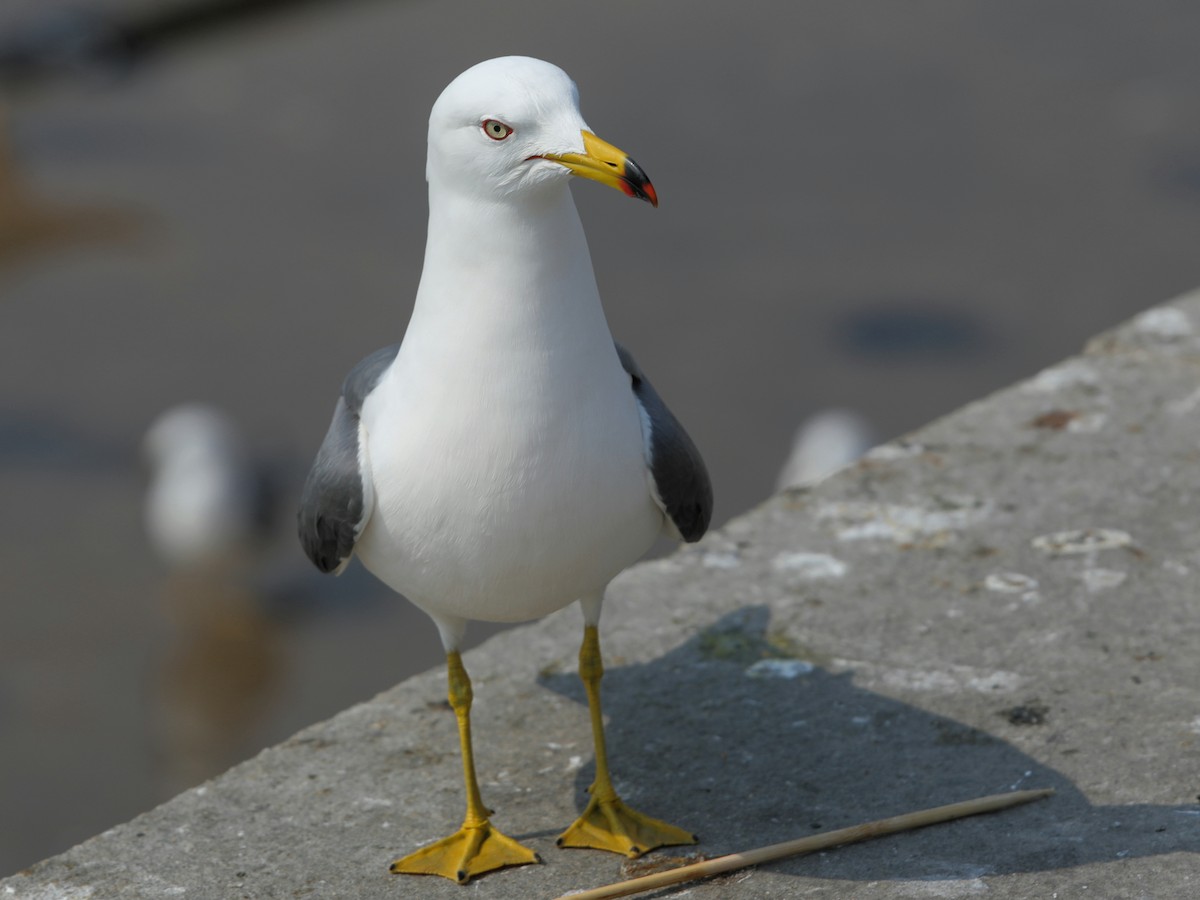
x=895, y=207
x=1006, y=598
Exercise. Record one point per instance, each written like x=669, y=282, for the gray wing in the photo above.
x=681, y=484
x=335, y=504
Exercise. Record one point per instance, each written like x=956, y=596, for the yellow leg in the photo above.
x=607, y=823
x=476, y=847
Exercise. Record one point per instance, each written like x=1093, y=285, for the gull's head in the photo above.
x=190, y=432
x=511, y=127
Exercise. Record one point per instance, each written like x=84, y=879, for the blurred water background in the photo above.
x=893, y=208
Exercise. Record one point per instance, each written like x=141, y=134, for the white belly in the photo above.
x=503, y=495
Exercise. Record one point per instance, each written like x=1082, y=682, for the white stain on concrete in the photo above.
x=894, y=451
x=52, y=892
x=1184, y=405
x=948, y=887
x=1096, y=579
x=1081, y=541
x=1023, y=587
x=714, y=559
x=1166, y=323
x=946, y=680
x=1074, y=373
x=1175, y=567
x=859, y=520
x=1088, y=422
x=809, y=566
x=1010, y=583
x=374, y=802
x=780, y=668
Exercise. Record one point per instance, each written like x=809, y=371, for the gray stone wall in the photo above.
x=1005, y=598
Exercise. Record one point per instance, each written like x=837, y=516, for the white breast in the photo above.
x=505, y=491
x=504, y=444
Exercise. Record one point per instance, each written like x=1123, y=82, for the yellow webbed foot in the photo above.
x=611, y=825
x=470, y=851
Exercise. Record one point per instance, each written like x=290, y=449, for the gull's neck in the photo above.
x=516, y=271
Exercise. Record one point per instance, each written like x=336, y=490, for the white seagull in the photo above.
x=824, y=443
x=210, y=506
x=507, y=458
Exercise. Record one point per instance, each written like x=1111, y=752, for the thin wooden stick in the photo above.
x=864, y=832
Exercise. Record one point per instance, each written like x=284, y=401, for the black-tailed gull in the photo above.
x=507, y=458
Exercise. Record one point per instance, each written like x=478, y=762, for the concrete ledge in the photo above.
x=1007, y=598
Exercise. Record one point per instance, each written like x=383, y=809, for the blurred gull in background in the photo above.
x=824, y=443
x=210, y=506
x=209, y=513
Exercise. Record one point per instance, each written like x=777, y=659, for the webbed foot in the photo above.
x=609, y=824
x=470, y=851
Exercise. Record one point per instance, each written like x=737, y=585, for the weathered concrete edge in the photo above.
x=321, y=813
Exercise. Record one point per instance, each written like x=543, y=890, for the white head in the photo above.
x=203, y=507
x=510, y=127
x=191, y=431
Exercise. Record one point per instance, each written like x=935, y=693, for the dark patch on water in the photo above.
x=80, y=41
x=912, y=329
x=1178, y=176
x=33, y=440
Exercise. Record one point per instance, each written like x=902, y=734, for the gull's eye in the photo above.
x=496, y=130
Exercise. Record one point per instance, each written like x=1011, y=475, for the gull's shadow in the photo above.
x=747, y=761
